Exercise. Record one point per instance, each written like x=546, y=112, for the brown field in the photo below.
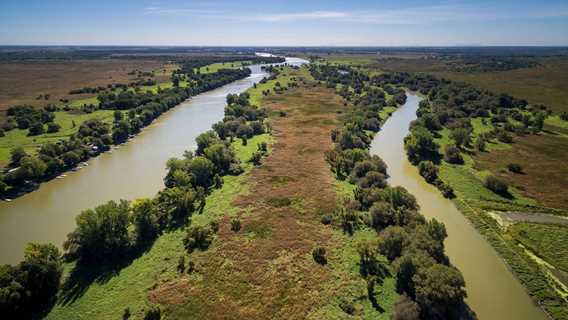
x=544, y=160
x=22, y=83
x=266, y=271
x=546, y=84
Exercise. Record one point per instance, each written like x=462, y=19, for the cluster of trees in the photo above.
x=484, y=63
x=242, y=120
x=192, y=66
x=431, y=287
x=452, y=106
x=30, y=286
x=87, y=90
x=95, y=136
x=27, y=117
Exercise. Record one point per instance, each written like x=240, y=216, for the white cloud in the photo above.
x=399, y=16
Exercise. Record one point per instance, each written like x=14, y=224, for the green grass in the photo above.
x=245, y=152
x=129, y=287
x=348, y=285
x=87, y=101
x=550, y=242
x=212, y=68
x=285, y=77
x=19, y=138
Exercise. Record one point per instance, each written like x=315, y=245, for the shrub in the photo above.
x=181, y=264
x=319, y=255
x=452, y=155
x=347, y=306
x=198, y=237
x=327, y=219
x=153, y=313
x=235, y=224
x=496, y=185
x=428, y=170
x=516, y=168
x=392, y=242
x=126, y=314
x=256, y=158
x=53, y=127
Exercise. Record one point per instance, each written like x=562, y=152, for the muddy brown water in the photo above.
x=134, y=170
x=493, y=291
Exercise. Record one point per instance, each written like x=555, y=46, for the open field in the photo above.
x=266, y=269
x=69, y=123
x=546, y=84
x=542, y=158
x=22, y=83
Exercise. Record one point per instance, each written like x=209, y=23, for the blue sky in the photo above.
x=291, y=22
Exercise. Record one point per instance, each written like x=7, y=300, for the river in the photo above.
x=135, y=170
x=493, y=291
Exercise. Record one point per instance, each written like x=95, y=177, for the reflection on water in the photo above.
x=493, y=292
x=135, y=170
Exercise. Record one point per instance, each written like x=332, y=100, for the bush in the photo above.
x=319, y=255
x=153, y=313
x=516, y=168
x=327, y=219
x=53, y=127
x=31, y=285
x=496, y=185
x=235, y=224
x=101, y=233
x=428, y=170
x=452, y=155
x=198, y=237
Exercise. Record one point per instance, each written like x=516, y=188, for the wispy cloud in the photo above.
x=399, y=16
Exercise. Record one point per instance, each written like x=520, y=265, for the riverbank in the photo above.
x=48, y=213
x=487, y=277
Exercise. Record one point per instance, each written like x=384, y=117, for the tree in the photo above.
x=382, y=215
x=428, y=170
x=496, y=185
x=198, y=237
x=118, y=116
x=101, y=233
x=36, y=129
x=440, y=291
x=205, y=140
x=145, y=219
x=31, y=285
x=202, y=171
x=461, y=136
x=53, y=127
x=31, y=168
x=392, y=242
x=452, y=155
x=420, y=145
x=16, y=155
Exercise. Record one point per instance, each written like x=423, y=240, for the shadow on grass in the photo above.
x=86, y=273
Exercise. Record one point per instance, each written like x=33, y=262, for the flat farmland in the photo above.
x=24, y=82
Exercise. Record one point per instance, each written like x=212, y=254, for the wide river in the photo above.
x=135, y=170
x=493, y=292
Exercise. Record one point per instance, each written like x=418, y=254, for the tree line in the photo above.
x=430, y=287
x=112, y=231
x=25, y=171
x=453, y=106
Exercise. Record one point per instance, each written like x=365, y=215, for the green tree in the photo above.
x=440, y=291
x=101, y=233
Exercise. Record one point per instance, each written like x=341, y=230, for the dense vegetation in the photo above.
x=95, y=136
x=413, y=246
x=457, y=120
x=117, y=231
